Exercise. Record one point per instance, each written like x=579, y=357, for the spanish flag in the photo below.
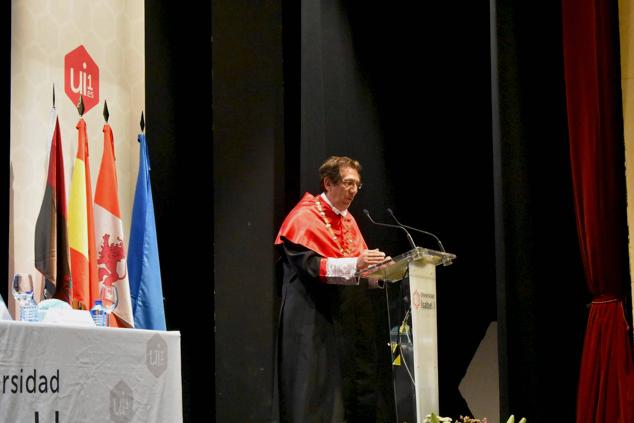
x=81, y=228
x=111, y=260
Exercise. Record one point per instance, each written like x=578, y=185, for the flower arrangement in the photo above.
x=432, y=418
x=467, y=419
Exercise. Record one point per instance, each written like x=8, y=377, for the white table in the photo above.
x=73, y=374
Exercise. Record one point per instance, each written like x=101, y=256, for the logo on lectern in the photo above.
x=423, y=300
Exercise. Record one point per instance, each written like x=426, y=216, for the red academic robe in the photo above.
x=306, y=225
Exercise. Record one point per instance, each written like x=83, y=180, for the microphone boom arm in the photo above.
x=409, y=237
x=442, y=248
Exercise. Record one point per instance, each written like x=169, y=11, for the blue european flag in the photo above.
x=143, y=257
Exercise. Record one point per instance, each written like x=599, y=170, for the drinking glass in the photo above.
x=109, y=296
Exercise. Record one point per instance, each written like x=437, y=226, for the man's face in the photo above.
x=342, y=193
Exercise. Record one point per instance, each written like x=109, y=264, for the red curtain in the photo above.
x=592, y=77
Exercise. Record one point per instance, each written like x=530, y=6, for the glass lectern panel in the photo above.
x=400, y=324
x=402, y=344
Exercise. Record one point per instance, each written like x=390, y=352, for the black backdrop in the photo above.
x=541, y=288
x=406, y=89
x=178, y=128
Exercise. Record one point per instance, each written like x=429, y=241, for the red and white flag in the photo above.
x=111, y=248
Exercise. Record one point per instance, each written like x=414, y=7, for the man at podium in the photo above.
x=321, y=246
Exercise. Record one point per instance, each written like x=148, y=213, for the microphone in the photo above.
x=409, y=237
x=417, y=230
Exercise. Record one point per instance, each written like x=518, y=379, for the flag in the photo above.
x=111, y=250
x=51, y=236
x=81, y=228
x=143, y=256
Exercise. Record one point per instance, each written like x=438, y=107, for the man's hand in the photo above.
x=369, y=257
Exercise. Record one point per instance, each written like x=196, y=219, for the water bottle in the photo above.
x=98, y=314
x=28, y=307
x=23, y=294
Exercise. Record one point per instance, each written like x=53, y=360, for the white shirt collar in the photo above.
x=343, y=213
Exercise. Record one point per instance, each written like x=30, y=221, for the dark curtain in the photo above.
x=590, y=44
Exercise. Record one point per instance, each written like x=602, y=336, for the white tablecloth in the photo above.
x=65, y=374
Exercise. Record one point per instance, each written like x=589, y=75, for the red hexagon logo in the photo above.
x=81, y=76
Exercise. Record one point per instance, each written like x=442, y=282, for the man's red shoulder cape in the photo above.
x=305, y=226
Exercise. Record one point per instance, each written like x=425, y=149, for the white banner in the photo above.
x=67, y=374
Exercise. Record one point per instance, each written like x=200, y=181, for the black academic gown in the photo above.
x=309, y=346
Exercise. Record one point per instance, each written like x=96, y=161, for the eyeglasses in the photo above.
x=349, y=183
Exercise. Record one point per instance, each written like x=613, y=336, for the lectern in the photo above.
x=418, y=325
